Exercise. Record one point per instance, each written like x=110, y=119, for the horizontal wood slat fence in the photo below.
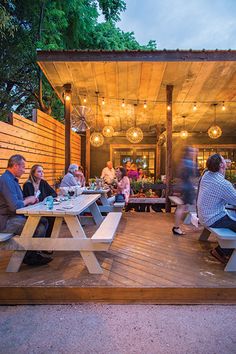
x=40, y=141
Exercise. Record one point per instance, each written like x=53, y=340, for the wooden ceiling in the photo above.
x=204, y=77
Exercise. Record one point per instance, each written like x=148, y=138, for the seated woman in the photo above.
x=133, y=173
x=79, y=176
x=123, y=183
x=37, y=186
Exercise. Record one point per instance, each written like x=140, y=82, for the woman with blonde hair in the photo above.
x=37, y=186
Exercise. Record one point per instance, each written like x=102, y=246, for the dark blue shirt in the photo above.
x=11, y=197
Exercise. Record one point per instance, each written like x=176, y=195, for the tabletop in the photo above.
x=73, y=206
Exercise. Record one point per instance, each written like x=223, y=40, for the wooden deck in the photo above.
x=145, y=263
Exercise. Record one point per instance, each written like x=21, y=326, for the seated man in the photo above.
x=108, y=173
x=69, y=180
x=213, y=195
x=11, y=198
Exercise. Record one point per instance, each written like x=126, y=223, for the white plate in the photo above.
x=68, y=207
x=56, y=203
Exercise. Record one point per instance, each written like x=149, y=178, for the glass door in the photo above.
x=143, y=157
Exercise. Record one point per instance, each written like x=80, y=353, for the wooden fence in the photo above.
x=40, y=141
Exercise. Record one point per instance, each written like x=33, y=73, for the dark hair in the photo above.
x=32, y=172
x=15, y=160
x=123, y=171
x=213, y=162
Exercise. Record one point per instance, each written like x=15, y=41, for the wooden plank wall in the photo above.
x=41, y=142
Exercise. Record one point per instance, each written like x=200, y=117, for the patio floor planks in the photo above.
x=145, y=263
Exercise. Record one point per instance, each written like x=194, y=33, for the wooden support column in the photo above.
x=87, y=154
x=67, y=117
x=169, y=91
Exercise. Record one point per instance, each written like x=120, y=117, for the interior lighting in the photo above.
x=184, y=133
x=145, y=105
x=194, y=107
x=67, y=97
x=108, y=131
x=103, y=101
x=85, y=99
x=223, y=106
x=214, y=132
x=123, y=103
x=134, y=135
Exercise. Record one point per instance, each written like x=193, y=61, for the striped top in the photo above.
x=214, y=193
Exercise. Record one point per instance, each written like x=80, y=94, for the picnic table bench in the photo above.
x=226, y=239
x=100, y=241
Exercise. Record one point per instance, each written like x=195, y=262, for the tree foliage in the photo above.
x=51, y=24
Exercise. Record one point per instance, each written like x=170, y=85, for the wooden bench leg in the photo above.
x=204, y=235
x=231, y=265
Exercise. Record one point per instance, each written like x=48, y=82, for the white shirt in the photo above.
x=214, y=193
x=108, y=175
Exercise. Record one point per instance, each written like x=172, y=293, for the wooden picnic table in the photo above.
x=69, y=212
x=106, y=207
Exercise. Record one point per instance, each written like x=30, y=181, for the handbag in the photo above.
x=119, y=198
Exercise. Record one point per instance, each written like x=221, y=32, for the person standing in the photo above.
x=214, y=193
x=108, y=173
x=188, y=172
x=11, y=199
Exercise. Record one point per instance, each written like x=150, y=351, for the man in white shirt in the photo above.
x=213, y=195
x=108, y=173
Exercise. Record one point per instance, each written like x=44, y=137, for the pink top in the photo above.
x=124, y=187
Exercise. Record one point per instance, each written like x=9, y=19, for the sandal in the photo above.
x=177, y=231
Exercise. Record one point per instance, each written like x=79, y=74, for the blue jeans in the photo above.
x=228, y=223
x=16, y=223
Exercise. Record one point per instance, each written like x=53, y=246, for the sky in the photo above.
x=183, y=24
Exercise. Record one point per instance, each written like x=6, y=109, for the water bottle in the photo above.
x=49, y=202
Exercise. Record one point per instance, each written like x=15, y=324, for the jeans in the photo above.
x=228, y=223
x=16, y=223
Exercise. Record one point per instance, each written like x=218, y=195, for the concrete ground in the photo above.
x=99, y=328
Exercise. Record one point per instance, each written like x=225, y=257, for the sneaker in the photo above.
x=221, y=258
x=36, y=259
x=177, y=231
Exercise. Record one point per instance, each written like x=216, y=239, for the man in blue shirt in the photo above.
x=11, y=198
x=213, y=195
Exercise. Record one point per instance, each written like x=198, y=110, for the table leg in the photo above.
x=95, y=211
x=56, y=227
x=77, y=231
x=204, y=235
x=28, y=231
x=231, y=265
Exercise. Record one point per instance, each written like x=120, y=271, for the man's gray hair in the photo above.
x=15, y=160
x=73, y=167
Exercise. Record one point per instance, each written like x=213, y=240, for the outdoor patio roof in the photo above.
x=201, y=77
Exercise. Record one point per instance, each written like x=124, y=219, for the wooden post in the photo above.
x=67, y=117
x=87, y=170
x=169, y=91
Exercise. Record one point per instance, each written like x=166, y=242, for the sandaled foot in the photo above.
x=177, y=231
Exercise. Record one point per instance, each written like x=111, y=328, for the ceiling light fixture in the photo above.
x=96, y=138
x=184, y=133
x=214, y=131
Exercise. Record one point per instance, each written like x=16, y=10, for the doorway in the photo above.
x=144, y=156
